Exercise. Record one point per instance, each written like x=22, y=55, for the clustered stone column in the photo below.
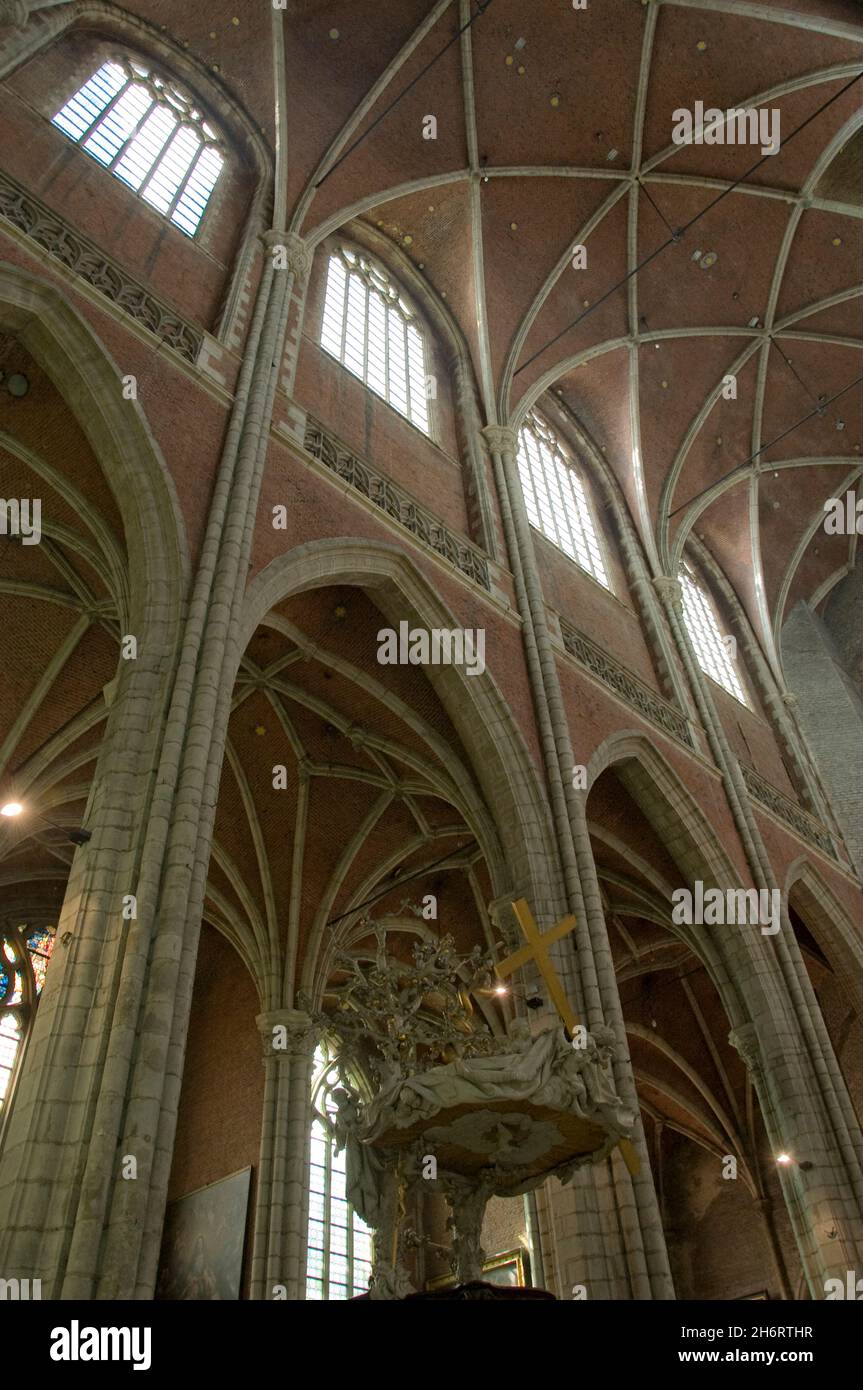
x=596, y=1193
x=281, y=1206
x=803, y=1096
x=103, y=1078
x=780, y=705
x=481, y=510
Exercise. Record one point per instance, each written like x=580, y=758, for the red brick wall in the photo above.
x=717, y=1242
x=219, y=1127
x=429, y=468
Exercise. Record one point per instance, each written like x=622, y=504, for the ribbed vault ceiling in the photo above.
x=553, y=130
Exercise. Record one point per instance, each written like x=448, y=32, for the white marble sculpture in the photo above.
x=504, y=1112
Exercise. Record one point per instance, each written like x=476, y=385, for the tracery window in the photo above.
x=556, y=498
x=340, y=1243
x=150, y=134
x=713, y=653
x=372, y=330
x=24, y=956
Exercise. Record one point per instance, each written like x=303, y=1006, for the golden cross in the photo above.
x=536, y=949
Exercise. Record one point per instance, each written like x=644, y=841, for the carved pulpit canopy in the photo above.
x=466, y=1099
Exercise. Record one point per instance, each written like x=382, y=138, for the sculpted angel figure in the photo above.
x=362, y=1165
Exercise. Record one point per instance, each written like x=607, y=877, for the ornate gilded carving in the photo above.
x=496, y=1116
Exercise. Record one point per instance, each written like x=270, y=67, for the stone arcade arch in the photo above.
x=497, y=794
x=485, y=724
x=834, y=957
x=817, y=906
x=765, y=1028
x=39, y=1179
x=78, y=363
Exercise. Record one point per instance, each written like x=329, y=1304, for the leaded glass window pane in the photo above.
x=555, y=497
x=370, y=328
x=339, y=1242
x=713, y=654
x=150, y=135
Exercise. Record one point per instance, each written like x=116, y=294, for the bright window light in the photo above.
x=24, y=955
x=713, y=655
x=370, y=328
x=339, y=1257
x=147, y=133
x=555, y=496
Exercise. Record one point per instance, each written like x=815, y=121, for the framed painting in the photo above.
x=202, y=1243
x=507, y=1269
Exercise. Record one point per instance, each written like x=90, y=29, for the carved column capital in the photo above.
x=745, y=1041
x=287, y=1033
x=669, y=590
x=500, y=439
x=502, y=918
x=296, y=252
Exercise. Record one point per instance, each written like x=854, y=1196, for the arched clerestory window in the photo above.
x=371, y=328
x=714, y=652
x=24, y=956
x=556, y=498
x=339, y=1259
x=148, y=132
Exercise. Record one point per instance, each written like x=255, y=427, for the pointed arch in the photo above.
x=83, y=372
x=808, y=893
x=520, y=849
x=736, y=958
x=108, y=21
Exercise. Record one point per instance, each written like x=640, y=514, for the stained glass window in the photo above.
x=24, y=956
x=556, y=498
x=372, y=330
x=149, y=134
x=339, y=1258
x=40, y=944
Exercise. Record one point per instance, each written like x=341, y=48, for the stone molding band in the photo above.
x=84, y=257
x=329, y=450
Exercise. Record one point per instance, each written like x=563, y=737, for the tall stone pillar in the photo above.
x=623, y=1257
x=281, y=1208
x=84, y=1002
x=480, y=510
x=102, y=1086
x=804, y=1099
x=815, y=1205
